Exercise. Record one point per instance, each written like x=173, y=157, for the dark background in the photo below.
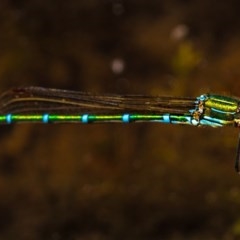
x=119, y=181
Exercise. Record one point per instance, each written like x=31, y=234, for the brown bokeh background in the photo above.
x=119, y=181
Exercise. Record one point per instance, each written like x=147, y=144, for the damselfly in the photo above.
x=37, y=104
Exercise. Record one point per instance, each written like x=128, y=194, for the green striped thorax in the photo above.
x=221, y=109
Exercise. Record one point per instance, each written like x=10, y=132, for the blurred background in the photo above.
x=117, y=181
